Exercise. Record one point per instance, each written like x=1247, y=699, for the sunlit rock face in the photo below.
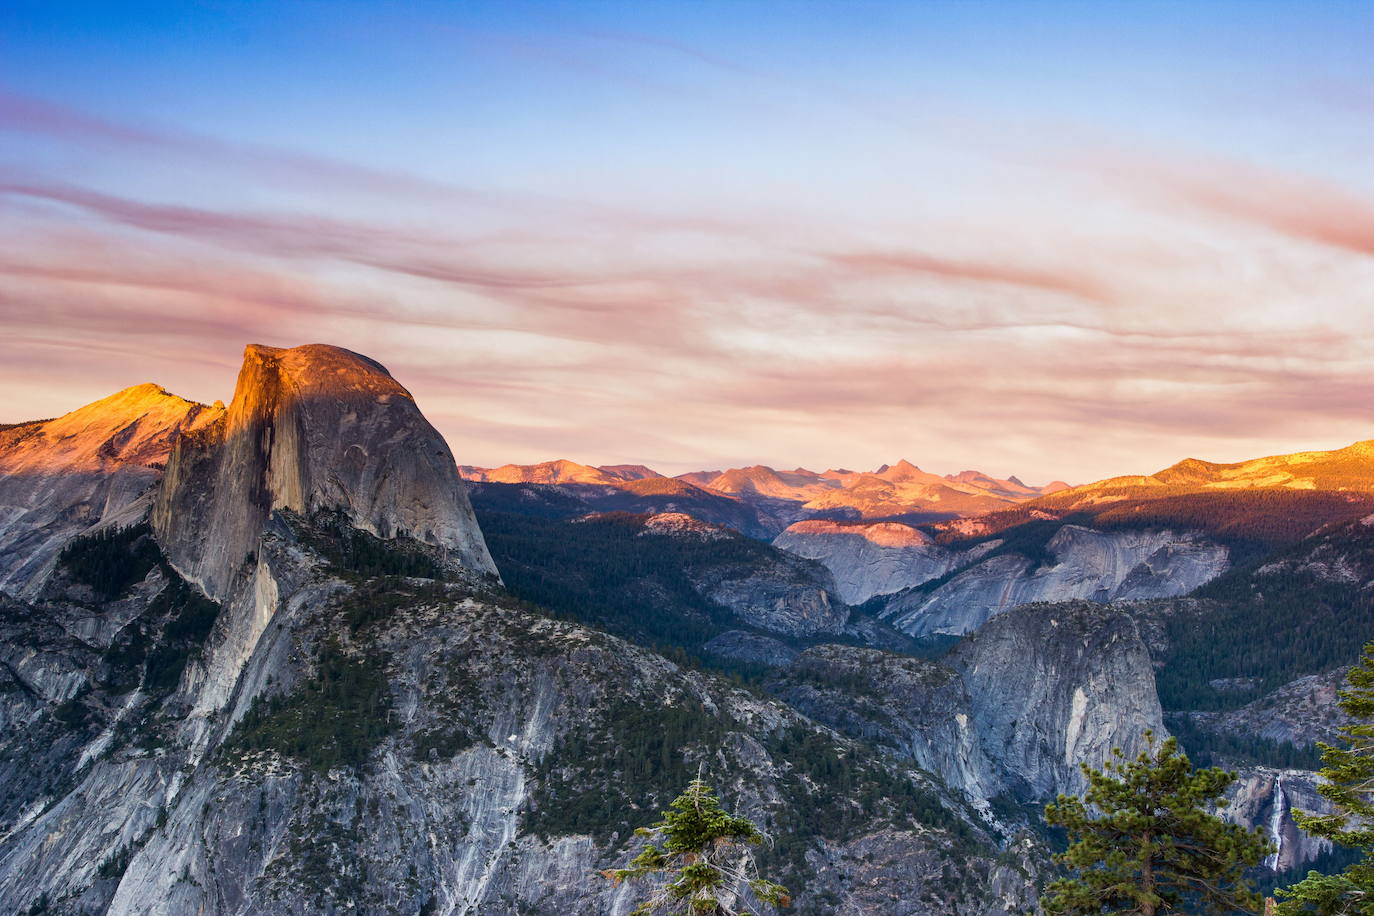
x=874, y=558
x=60, y=477
x=311, y=428
x=1088, y=564
x=1349, y=470
x=326, y=740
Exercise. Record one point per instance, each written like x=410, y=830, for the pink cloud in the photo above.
x=1071, y=282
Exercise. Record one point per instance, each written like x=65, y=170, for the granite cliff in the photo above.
x=309, y=429
x=301, y=689
x=927, y=588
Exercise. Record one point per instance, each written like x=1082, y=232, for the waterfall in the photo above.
x=1276, y=823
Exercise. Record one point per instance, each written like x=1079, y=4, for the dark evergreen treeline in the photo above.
x=606, y=780
x=1292, y=613
x=333, y=719
x=597, y=780
x=363, y=553
x=111, y=560
x=602, y=571
x=834, y=795
x=153, y=649
x=1207, y=747
x=1296, y=625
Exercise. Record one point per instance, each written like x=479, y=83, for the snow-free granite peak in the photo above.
x=311, y=428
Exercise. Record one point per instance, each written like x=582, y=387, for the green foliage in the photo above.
x=112, y=560
x=1208, y=748
x=1332, y=861
x=1144, y=841
x=363, y=553
x=1277, y=629
x=374, y=600
x=600, y=571
x=1252, y=523
x=73, y=713
x=153, y=650
x=117, y=864
x=334, y=719
x=702, y=854
x=1274, y=626
x=1348, y=783
x=836, y=795
x=442, y=743
x=190, y=618
x=597, y=778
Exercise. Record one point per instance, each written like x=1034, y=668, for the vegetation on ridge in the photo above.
x=1144, y=840
x=334, y=718
x=111, y=560
x=1348, y=784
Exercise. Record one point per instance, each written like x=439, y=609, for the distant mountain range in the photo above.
x=227, y=632
x=901, y=490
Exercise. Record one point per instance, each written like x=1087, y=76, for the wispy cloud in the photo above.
x=1072, y=282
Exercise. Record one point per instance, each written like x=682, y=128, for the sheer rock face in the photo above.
x=93, y=466
x=311, y=428
x=1012, y=711
x=1088, y=564
x=876, y=558
x=913, y=707
x=171, y=816
x=1053, y=686
x=1265, y=797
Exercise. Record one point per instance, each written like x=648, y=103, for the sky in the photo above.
x=1057, y=240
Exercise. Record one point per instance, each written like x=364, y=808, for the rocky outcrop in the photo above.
x=327, y=737
x=765, y=588
x=1265, y=797
x=875, y=558
x=93, y=466
x=913, y=707
x=754, y=648
x=486, y=773
x=1301, y=712
x=314, y=428
x=1011, y=712
x=779, y=598
x=1053, y=686
x=1086, y=564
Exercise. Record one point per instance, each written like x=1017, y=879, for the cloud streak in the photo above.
x=706, y=335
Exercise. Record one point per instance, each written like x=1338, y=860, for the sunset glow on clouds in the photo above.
x=1056, y=240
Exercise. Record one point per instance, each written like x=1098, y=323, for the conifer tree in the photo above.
x=1144, y=842
x=1348, y=783
x=702, y=860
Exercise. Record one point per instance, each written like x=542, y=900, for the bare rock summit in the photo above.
x=311, y=428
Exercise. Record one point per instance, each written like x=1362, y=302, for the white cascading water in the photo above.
x=1276, y=823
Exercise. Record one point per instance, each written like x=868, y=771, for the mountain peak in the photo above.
x=87, y=467
x=135, y=425
x=312, y=428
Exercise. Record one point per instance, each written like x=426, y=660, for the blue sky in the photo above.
x=1052, y=239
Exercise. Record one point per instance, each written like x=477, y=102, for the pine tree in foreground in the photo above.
x=702, y=860
x=1144, y=841
x=1348, y=783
